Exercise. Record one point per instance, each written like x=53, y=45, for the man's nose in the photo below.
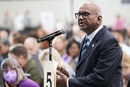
x=81, y=16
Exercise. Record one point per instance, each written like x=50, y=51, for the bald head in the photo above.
x=93, y=7
x=30, y=40
x=89, y=17
x=31, y=45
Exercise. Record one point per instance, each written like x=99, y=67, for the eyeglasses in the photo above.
x=84, y=14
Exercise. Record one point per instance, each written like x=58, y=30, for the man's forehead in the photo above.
x=88, y=7
x=89, y=4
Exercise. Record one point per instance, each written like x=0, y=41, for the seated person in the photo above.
x=20, y=53
x=1, y=80
x=126, y=69
x=62, y=66
x=14, y=76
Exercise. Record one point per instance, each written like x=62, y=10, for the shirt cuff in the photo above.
x=68, y=82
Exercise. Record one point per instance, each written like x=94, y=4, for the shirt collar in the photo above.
x=91, y=36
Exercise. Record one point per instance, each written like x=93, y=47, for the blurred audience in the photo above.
x=4, y=48
x=31, y=45
x=14, y=76
x=29, y=67
x=18, y=38
x=73, y=50
x=128, y=36
x=3, y=34
x=8, y=22
x=41, y=33
x=118, y=23
x=59, y=44
x=1, y=76
x=120, y=36
x=1, y=59
x=23, y=32
x=126, y=69
x=78, y=34
x=63, y=67
x=19, y=24
x=27, y=19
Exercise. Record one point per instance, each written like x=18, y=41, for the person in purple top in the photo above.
x=13, y=75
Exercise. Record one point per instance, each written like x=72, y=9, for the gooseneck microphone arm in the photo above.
x=50, y=38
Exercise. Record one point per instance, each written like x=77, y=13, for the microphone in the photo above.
x=51, y=36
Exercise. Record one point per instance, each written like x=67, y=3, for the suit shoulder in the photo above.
x=108, y=36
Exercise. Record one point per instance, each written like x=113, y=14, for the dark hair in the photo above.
x=20, y=50
x=121, y=32
x=19, y=38
x=70, y=44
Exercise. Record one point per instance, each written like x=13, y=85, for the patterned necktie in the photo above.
x=85, y=45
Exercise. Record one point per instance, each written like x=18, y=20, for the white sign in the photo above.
x=50, y=73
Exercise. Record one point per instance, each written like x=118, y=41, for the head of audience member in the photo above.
x=6, y=14
x=128, y=30
x=20, y=53
x=4, y=48
x=40, y=32
x=73, y=48
x=3, y=34
x=44, y=56
x=18, y=38
x=125, y=65
x=78, y=34
x=120, y=35
x=59, y=44
x=63, y=67
x=32, y=33
x=43, y=45
x=31, y=45
x=118, y=23
x=12, y=72
x=89, y=17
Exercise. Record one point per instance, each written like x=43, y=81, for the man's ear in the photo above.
x=99, y=19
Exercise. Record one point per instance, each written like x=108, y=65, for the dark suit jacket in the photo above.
x=101, y=64
x=128, y=83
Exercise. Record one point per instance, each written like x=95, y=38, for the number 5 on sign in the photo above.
x=50, y=73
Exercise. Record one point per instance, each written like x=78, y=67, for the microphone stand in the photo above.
x=50, y=49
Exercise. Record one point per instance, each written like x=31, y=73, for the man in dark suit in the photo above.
x=99, y=62
x=128, y=84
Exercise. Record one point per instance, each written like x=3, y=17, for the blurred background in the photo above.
x=62, y=10
x=24, y=21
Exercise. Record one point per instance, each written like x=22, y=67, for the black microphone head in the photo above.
x=51, y=36
x=63, y=31
x=39, y=40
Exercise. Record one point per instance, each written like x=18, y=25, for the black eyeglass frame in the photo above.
x=84, y=14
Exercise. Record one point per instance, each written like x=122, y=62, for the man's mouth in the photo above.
x=81, y=24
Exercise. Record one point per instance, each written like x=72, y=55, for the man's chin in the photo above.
x=83, y=28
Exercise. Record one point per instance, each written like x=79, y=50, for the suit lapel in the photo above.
x=91, y=46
